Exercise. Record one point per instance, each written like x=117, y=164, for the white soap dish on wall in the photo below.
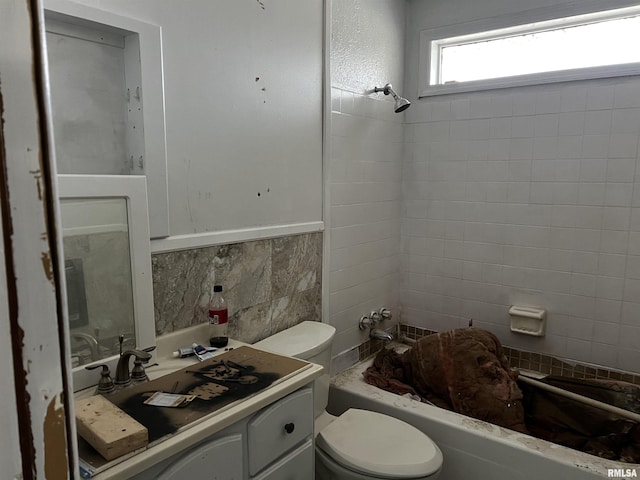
x=528, y=320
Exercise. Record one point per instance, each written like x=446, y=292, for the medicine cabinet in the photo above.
x=105, y=231
x=106, y=83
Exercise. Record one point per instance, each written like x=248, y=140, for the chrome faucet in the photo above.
x=380, y=335
x=371, y=320
x=91, y=342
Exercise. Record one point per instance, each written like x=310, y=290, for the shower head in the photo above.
x=401, y=103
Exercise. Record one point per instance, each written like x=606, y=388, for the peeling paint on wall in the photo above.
x=38, y=177
x=55, y=442
x=46, y=265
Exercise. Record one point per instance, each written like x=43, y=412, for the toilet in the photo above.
x=359, y=444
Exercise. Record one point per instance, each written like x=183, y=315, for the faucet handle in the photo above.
x=384, y=313
x=105, y=385
x=365, y=322
x=375, y=317
x=138, y=374
x=142, y=355
x=149, y=349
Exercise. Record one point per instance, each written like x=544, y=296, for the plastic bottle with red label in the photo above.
x=218, y=319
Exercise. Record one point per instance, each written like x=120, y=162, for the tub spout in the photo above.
x=380, y=335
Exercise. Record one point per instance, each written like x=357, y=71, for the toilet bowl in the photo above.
x=359, y=444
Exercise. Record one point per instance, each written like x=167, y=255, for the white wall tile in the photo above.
x=611, y=265
x=608, y=312
x=621, y=169
x=618, y=194
x=593, y=170
x=628, y=359
x=595, y=146
x=535, y=199
x=548, y=101
x=546, y=125
x=627, y=95
x=573, y=98
x=545, y=148
x=600, y=96
x=522, y=127
x=591, y=193
x=604, y=354
x=571, y=123
x=626, y=120
x=614, y=241
x=524, y=103
x=597, y=122
x=570, y=146
x=577, y=348
x=630, y=313
x=623, y=145
x=611, y=288
x=502, y=105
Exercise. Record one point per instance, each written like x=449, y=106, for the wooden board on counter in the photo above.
x=216, y=383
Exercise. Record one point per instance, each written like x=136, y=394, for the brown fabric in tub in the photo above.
x=463, y=370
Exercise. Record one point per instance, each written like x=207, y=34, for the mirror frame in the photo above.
x=152, y=85
x=133, y=188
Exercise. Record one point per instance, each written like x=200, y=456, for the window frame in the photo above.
x=432, y=40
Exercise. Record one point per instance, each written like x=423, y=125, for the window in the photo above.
x=594, y=45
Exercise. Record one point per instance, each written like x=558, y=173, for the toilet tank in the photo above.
x=310, y=341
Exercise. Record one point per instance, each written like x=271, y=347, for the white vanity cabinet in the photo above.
x=276, y=442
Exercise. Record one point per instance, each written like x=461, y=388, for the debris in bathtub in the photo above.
x=464, y=370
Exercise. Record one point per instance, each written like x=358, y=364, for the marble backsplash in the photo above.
x=269, y=285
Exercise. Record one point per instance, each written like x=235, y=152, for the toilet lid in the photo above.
x=380, y=445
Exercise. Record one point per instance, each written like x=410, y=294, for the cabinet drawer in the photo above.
x=279, y=428
x=297, y=465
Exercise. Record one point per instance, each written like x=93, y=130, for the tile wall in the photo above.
x=364, y=215
x=269, y=285
x=527, y=196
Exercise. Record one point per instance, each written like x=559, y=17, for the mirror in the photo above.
x=98, y=275
x=105, y=229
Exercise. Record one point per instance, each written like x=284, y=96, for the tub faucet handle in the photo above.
x=384, y=313
x=365, y=322
x=375, y=317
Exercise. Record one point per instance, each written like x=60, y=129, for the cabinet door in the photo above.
x=279, y=427
x=219, y=459
x=297, y=465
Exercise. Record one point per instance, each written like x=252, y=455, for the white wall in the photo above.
x=365, y=164
x=243, y=105
x=524, y=196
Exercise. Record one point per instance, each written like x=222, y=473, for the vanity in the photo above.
x=267, y=435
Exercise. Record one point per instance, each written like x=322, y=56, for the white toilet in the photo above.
x=359, y=444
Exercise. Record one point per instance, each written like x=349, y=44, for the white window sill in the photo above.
x=608, y=71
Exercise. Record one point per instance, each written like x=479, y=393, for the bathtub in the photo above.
x=474, y=449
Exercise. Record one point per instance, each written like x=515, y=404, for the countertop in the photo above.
x=140, y=460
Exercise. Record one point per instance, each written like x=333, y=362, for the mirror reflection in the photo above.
x=98, y=277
